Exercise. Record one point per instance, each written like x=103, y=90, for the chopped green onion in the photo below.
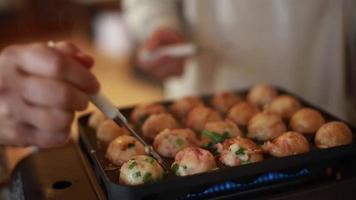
x=210, y=145
x=130, y=145
x=239, y=152
x=213, y=149
x=185, y=167
x=179, y=142
x=132, y=164
x=147, y=177
x=150, y=160
x=213, y=136
x=244, y=162
x=137, y=174
x=175, y=168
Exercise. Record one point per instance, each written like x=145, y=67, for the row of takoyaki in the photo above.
x=193, y=125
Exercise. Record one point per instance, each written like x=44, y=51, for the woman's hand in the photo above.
x=40, y=89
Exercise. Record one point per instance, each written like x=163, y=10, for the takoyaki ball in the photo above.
x=193, y=160
x=287, y=144
x=226, y=129
x=306, y=120
x=333, y=134
x=284, y=106
x=157, y=123
x=262, y=94
x=123, y=148
x=142, y=112
x=109, y=130
x=242, y=112
x=169, y=141
x=223, y=101
x=265, y=126
x=239, y=151
x=140, y=170
x=183, y=106
x=96, y=119
x=199, y=116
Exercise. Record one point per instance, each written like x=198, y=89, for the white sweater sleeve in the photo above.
x=144, y=16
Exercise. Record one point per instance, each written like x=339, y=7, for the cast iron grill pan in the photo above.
x=173, y=187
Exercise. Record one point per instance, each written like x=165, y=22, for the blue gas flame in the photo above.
x=233, y=186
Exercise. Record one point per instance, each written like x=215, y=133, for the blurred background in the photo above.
x=307, y=34
x=96, y=26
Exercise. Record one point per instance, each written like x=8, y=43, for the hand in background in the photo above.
x=40, y=89
x=162, y=67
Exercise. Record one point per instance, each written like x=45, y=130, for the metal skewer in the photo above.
x=112, y=112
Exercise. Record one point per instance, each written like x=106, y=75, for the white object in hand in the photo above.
x=173, y=51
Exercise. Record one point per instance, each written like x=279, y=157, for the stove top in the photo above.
x=65, y=173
